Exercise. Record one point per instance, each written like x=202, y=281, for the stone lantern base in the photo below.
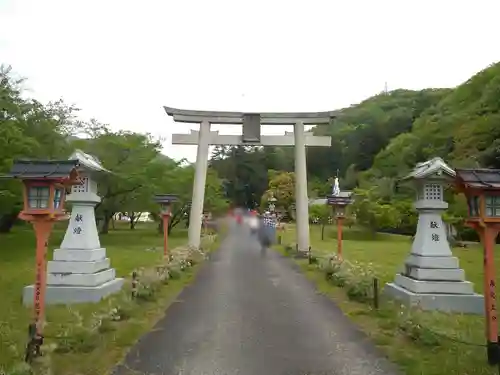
x=77, y=276
x=435, y=283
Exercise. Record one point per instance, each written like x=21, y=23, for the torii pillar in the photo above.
x=251, y=137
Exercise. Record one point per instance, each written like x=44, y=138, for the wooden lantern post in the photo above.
x=339, y=204
x=44, y=192
x=165, y=201
x=339, y=201
x=481, y=187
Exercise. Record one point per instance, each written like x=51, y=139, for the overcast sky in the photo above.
x=121, y=61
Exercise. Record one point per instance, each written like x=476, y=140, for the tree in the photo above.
x=322, y=213
x=136, y=171
x=372, y=213
x=28, y=129
x=282, y=188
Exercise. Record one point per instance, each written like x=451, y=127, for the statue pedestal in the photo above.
x=80, y=271
x=431, y=277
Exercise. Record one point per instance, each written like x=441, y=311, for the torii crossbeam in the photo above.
x=251, y=136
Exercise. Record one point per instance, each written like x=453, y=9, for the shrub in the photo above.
x=77, y=341
x=19, y=369
x=357, y=278
x=410, y=324
x=147, y=292
x=121, y=313
x=174, y=273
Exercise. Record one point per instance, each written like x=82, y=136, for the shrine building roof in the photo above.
x=479, y=178
x=27, y=169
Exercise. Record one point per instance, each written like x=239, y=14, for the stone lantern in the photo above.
x=80, y=271
x=165, y=201
x=431, y=277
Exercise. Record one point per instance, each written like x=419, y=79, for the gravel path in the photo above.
x=250, y=313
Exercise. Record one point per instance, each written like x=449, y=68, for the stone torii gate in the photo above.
x=251, y=137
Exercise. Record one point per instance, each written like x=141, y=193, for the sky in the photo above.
x=121, y=61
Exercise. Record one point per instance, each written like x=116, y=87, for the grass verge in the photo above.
x=87, y=338
x=420, y=342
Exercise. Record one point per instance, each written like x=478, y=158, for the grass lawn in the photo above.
x=69, y=326
x=447, y=343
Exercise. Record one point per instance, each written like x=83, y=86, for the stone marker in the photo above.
x=431, y=276
x=80, y=271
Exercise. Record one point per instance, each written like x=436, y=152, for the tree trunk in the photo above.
x=7, y=221
x=132, y=221
x=322, y=231
x=106, y=221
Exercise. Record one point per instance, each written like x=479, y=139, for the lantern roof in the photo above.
x=88, y=161
x=51, y=169
x=344, y=194
x=165, y=198
x=343, y=198
x=479, y=178
x=434, y=166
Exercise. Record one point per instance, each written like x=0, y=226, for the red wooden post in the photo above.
x=482, y=190
x=488, y=236
x=339, y=204
x=165, y=201
x=165, y=217
x=340, y=220
x=42, y=228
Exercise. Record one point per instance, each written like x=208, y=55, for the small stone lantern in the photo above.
x=45, y=184
x=482, y=190
x=431, y=277
x=339, y=201
x=165, y=201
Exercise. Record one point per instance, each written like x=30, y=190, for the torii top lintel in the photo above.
x=266, y=118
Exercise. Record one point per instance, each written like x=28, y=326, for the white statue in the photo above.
x=336, y=187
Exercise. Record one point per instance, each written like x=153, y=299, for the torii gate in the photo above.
x=251, y=136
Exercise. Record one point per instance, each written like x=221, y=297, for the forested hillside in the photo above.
x=381, y=139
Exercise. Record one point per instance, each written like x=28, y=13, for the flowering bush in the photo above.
x=410, y=323
x=356, y=278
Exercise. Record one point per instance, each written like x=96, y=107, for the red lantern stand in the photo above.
x=44, y=192
x=165, y=201
x=482, y=190
x=339, y=204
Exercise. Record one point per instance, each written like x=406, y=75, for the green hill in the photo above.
x=463, y=128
